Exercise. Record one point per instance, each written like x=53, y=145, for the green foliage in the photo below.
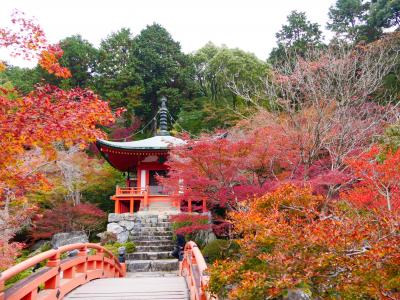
x=351, y=21
x=391, y=138
x=219, y=249
x=295, y=38
x=347, y=18
x=130, y=247
x=117, y=79
x=18, y=277
x=24, y=256
x=385, y=13
x=23, y=79
x=217, y=68
x=203, y=114
x=163, y=68
x=100, y=187
x=80, y=58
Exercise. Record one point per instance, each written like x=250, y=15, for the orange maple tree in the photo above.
x=287, y=242
x=33, y=126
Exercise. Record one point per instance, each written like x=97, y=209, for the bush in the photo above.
x=220, y=249
x=187, y=224
x=64, y=217
x=130, y=247
x=190, y=225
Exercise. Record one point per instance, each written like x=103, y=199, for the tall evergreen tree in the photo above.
x=163, y=68
x=295, y=37
x=80, y=58
x=385, y=13
x=348, y=19
x=117, y=78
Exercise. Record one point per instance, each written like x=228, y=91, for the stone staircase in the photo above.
x=151, y=232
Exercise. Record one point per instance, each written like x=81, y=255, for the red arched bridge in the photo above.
x=94, y=273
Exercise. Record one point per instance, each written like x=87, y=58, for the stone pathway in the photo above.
x=136, y=286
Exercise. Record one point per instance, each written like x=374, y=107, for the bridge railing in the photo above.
x=194, y=269
x=60, y=276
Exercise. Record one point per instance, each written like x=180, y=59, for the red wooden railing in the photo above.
x=146, y=195
x=130, y=191
x=59, y=277
x=194, y=268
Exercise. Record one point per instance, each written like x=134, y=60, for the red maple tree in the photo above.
x=378, y=179
x=33, y=125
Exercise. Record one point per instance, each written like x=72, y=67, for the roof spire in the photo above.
x=163, y=118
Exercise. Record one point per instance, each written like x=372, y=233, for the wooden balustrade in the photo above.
x=60, y=276
x=194, y=268
x=127, y=191
x=146, y=196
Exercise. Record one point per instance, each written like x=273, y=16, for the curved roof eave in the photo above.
x=153, y=143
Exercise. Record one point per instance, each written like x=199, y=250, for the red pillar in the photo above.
x=116, y=208
x=204, y=205
x=190, y=205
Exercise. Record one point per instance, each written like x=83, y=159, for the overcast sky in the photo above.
x=247, y=24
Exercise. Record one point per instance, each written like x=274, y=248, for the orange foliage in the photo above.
x=288, y=242
x=32, y=127
x=28, y=41
x=49, y=61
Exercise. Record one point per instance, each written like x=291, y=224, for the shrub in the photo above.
x=65, y=217
x=220, y=249
x=190, y=225
x=130, y=247
x=187, y=224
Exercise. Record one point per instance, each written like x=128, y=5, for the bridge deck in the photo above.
x=136, y=286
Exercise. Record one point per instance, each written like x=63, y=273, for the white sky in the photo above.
x=247, y=24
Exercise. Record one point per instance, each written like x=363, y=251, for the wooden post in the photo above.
x=116, y=208
x=146, y=199
x=204, y=205
x=53, y=282
x=190, y=205
x=131, y=205
x=82, y=268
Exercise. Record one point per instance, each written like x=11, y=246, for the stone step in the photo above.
x=144, y=216
x=136, y=238
x=156, y=224
x=154, y=248
x=166, y=235
x=149, y=255
x=166, y=242
x=152, y=265
x=158, y=274
x=153, y=228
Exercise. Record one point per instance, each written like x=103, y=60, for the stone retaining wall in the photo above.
x=126, y=226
